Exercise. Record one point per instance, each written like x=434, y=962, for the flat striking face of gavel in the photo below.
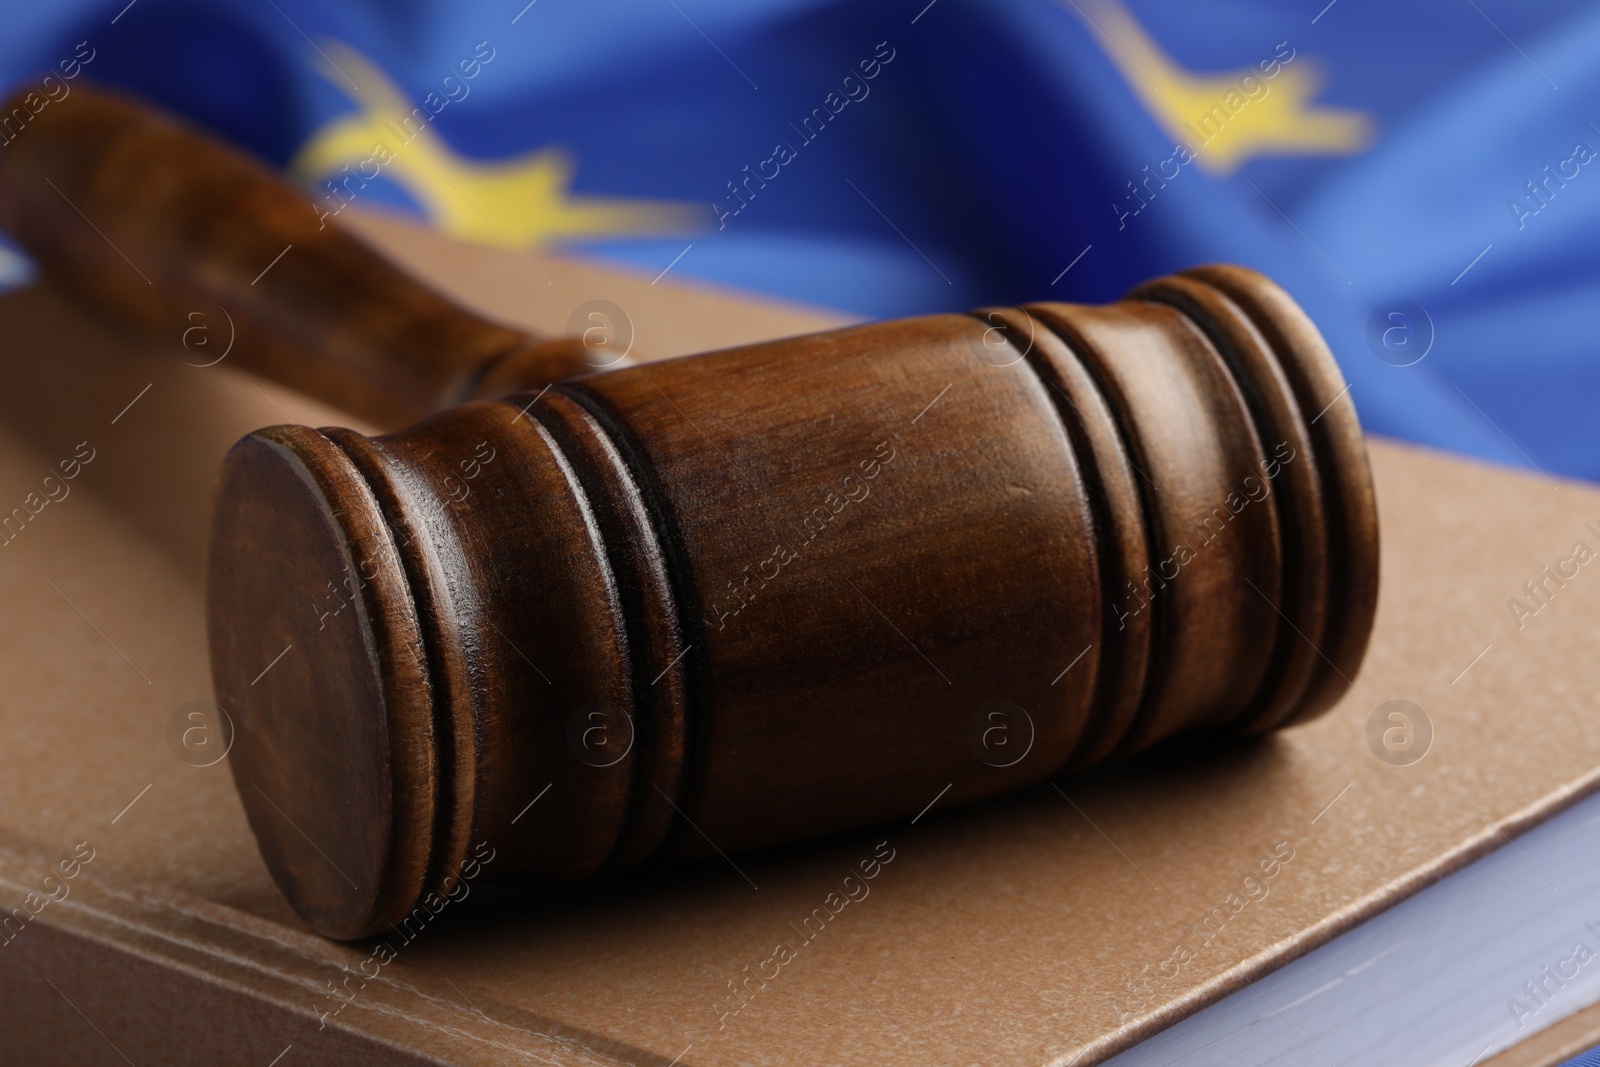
x=743, y=598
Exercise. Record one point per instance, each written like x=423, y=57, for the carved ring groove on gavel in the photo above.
x=747, y=597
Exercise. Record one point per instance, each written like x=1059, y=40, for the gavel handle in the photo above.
x=164, y=229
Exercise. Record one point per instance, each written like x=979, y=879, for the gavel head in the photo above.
x=775, y=591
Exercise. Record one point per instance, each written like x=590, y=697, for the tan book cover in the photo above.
x=1053, y=927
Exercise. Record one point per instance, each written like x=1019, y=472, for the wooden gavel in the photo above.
x=718, y=602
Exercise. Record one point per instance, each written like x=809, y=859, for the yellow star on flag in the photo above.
x=526, y=200
x=1218, y=116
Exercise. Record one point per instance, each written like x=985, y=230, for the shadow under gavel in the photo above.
x=718, y=602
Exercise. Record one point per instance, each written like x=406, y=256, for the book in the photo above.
x=1465, y=969
x=1062, y=925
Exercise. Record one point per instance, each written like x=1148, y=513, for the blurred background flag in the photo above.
x=1418, y=176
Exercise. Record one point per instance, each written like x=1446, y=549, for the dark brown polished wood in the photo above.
x=772, y=592
x=151, y=222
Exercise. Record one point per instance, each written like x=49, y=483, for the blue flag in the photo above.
x=1419, y=177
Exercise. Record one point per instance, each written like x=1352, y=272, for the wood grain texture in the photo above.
x=152, y=223
x=717, y=603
